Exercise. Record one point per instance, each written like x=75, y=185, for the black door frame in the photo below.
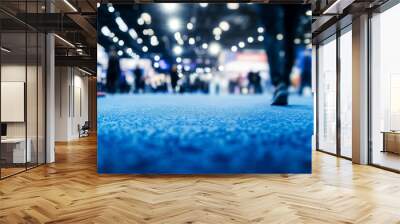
x=339, y=29
x=44, y=78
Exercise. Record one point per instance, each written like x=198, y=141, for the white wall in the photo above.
x=17, y=72
x=62, y=82
x=71, y=94
x=80, y=104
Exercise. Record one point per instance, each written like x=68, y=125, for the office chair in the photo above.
x=84, y=130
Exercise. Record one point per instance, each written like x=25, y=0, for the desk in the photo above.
x=19, y=155
x=391, y=141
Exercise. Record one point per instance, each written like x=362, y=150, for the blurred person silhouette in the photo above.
x=113, y=73
x=232, y=85
x=139, y=79
x=185, y=83
x=254, y=82
x=306, y=64
x=282, y=24
x=124, y=87
x=174, y=76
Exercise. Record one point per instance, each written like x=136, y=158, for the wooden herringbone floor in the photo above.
x=70, y=191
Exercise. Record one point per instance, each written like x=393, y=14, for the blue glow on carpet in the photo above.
x=202, y=134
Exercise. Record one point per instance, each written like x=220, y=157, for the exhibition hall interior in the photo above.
x=194, y=76
x=162, y=59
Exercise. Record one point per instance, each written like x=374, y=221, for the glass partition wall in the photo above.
x=334, y=83
x=385, y=89
x=327, y=95
x=22, y=77
x=345, y=108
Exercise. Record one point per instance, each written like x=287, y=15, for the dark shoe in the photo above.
x=280, y=97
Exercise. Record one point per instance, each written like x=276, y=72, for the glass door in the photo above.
x=385, y=89
x=346, y=92
x=32, y=98
x=14, y=155
x=327, y=95
x=22, y=90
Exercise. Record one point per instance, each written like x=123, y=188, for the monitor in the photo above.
x=3, y=129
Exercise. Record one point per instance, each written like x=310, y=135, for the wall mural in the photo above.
x=201, y=88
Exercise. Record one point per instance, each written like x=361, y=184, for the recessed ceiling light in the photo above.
x=169, y=7
x=224, y=25
x=70, y=5
x=64, y=40
x=177, y=50
x=189, y=26
x=174, y=24
x=5, y=50
x=279, y=36
x=234, y=48
x=203, y=5
x=232, y=6
x=192, y=41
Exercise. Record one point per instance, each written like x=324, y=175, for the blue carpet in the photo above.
x=201, y=134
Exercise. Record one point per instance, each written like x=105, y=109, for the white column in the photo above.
x=50, y=99
x=360, y=90
x=50, y=92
